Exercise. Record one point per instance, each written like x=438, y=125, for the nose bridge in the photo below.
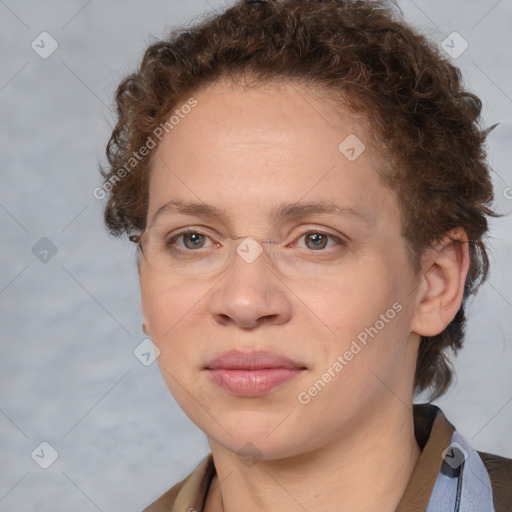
x=250, y=248
x=250, y=292
x=250, y=258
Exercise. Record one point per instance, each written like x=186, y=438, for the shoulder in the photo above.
x=166, y=501
x=500, y=474
x=190, y=493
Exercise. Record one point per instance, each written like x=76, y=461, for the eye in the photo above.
x=319, y=240
x=190, y=240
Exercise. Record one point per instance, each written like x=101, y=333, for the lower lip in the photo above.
x=252, y=383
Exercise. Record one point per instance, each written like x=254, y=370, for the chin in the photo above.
x=265, y=434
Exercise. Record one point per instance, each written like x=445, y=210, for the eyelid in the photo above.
x=176, y=234
x=304, y=230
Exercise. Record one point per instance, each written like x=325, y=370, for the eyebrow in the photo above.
x=283, y=212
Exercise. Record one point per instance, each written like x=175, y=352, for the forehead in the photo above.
x=246, y=150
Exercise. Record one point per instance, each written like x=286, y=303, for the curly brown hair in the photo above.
x=362, y=54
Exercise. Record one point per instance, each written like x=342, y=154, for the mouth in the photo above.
x=252, y=374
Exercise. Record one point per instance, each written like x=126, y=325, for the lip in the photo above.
x=251, y=374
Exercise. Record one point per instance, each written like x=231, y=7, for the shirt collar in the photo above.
x=433, y=433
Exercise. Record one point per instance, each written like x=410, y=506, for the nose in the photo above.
x=250, y=295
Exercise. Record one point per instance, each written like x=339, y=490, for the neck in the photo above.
x=361, y=470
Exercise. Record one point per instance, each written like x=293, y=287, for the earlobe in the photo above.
x=145, y=328
x=441, y=291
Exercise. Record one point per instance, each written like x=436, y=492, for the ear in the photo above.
x=439, y=295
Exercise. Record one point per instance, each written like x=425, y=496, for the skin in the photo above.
x=245, y=150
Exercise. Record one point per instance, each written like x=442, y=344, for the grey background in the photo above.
x=69, y=326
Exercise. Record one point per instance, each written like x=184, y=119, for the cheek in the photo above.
x=164, y=304
x=356, y=297
x=167, y=311
x=175, y=317
x=367, y=306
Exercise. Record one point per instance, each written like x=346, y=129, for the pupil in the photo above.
x=318, y=239
x=195, y=237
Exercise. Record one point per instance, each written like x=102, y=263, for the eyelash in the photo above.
x=174, y=237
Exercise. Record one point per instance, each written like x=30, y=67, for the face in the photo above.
x=286, y=356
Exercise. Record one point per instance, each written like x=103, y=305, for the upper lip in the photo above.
x=254, y=360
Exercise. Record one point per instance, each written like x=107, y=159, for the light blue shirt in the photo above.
x=463, y=484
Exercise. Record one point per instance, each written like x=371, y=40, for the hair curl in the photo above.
x=363, y=53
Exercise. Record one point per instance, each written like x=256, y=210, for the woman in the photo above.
x=307, y=186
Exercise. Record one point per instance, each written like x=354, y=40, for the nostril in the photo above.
x=223, y=319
